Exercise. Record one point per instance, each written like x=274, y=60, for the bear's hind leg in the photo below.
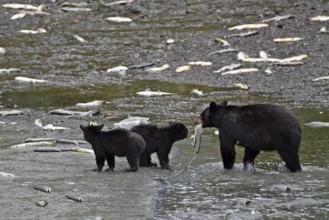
x=249, y=158
x=146, y=161
x=133, y=162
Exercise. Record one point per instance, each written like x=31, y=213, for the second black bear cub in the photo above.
x=259, y=127
x=159, y=140
x=116, y=142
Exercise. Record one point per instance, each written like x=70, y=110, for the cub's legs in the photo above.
x=100, y=159
x=110, y=162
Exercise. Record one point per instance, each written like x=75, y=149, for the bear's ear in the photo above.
x=83, y=127
x=212, y=106
x=223, y=102
x=98, y=127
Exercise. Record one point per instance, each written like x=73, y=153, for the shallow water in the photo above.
x=200, y=189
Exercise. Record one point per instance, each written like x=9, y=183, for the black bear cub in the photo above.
x=256, y=127
x=116, y=142
x=159, y=140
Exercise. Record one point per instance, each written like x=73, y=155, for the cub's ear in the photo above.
x=212, y=106
x=223, y=102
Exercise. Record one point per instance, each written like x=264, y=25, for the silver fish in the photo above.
x=244, y=34
x=278, y=18
x=42, y=203
x=10, y=70
x=38, y=31
x=320, y=78
x=119, y=19
x=51, y=127
x=20, y=6
x=200, y=63
x=238, y=71
x=78, y=38
x=3, y=174
x=12, y=112
x=197, y=92
x=248, y=26
x=73, y=113
x=32, y=144
x=82, y=150
x=152, y=93
x=197, y=138
x=45, y=189
x=229, y=67
x=30, y=80
x=318, y=124
x=158, y=69
x=95, y=103
x=74, y=198
x=228, y=50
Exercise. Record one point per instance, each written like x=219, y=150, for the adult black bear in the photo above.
x=159, y=140
x=256, y=127
x=116, y=142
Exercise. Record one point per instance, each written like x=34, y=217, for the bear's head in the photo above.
x=208, y=116
x=91, y=131
x=178, y=131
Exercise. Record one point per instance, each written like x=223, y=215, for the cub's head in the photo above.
x=208, y=116
x=91, y=131
x=178, y=130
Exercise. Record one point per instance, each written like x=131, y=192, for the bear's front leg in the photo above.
x=164, y=160
x=227, y=151
x=100, y=159
x=110, y=162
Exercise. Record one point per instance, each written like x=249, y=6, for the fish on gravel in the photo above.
x=10, y=70
x=158, y=69
x=244, y=34
x=131, y=121
x=82, y=150
x=149, y=93
x=51, y=127
x=20, y=6
x=228, y=50
x=74, y=198
x=74, y=9
x=320, y=18
x=141, y=66
x=320, y=78
x=200, y=63
x=79, y=39
x=182, y=69
x=32, y=144
x=121, y=70
x=95, y=103
x=241, y=86
x=42, y=203
x=74, y=113
x=45, y=189
x=30, y=80
x=278, y=18
x=228, y=68
x=4, y=174
x=225, y=43
x=2, y=50
x=249, y=26
x=197, y=92
x=238, y=71
x=287, y=39
x=11, y=112
x=119, y=19
x=38, y=31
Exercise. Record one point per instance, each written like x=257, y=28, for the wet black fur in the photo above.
x=257, y=127
x=159, y=140
x=116, y=142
